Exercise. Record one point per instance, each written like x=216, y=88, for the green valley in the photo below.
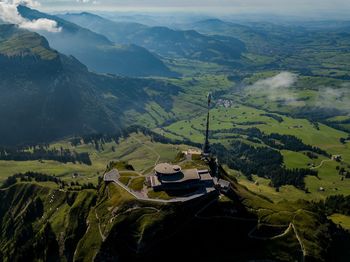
x=171, y=136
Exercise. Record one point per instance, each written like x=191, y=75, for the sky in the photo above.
x=324, y=9
x=218, y=6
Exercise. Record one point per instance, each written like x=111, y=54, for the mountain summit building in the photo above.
x=172, y=177
x=178, y=183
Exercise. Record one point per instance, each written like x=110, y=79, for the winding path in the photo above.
x=150, y=148
x=99, y=227
x=285, y=232
x=321, y=164
x=300, y=242
x=250, y=234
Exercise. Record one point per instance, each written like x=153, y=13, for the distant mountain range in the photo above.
x=47, y=95
x=165, y=41
x=97, y=52
x=301, y=46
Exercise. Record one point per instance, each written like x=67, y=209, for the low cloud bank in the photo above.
x=277, y=87
x=9, y=14
x=330, y=97
x=281, y=88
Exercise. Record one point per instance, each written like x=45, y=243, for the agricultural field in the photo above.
x=188, y=103
x=292, y=110
x=235, y=107
x=224, y=121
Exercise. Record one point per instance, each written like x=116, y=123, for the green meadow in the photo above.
x=243, y=116
x=137, y=149
x=341, y=220
x=186, y=118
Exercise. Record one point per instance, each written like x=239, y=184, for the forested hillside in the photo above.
x=47, y=95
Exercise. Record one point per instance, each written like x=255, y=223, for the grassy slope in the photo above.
x=27, y=43
x=64, y=212
x=189, y=116
x=118, y=224
x=137, y=149
x=268, y=213
x=341, y=220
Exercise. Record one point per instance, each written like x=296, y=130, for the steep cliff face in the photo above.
x=46, y=95
x=22, y=65
x=26, y=54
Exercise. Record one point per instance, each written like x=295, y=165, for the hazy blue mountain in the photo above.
x=270, y=38
x=114, y=30
x=47, y=95
x=165, y=41
x=168, y=19
x=216, y=26
x=97, y=52
x=301, y=46
x=254, y=39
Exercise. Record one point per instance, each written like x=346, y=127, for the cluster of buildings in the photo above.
x=169, y=177
x=172, y=177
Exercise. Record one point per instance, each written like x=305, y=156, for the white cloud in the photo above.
x=280, y=81
x=328, y=97
x=41, y=24
x=93, y=2
x=277, y=88
x=9, y=14
x=281, y=88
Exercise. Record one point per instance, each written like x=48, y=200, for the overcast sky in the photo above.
x=227, y=6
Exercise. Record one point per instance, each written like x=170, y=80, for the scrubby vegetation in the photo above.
x=334, y=204
x=41, y=152
x=39, y=177
x=32, y=226
x=83, y=223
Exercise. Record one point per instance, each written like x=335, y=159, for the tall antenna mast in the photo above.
x=206, y=147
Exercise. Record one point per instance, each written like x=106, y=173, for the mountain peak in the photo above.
x=212, y=20
x=18, y=42
x=89, y=14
